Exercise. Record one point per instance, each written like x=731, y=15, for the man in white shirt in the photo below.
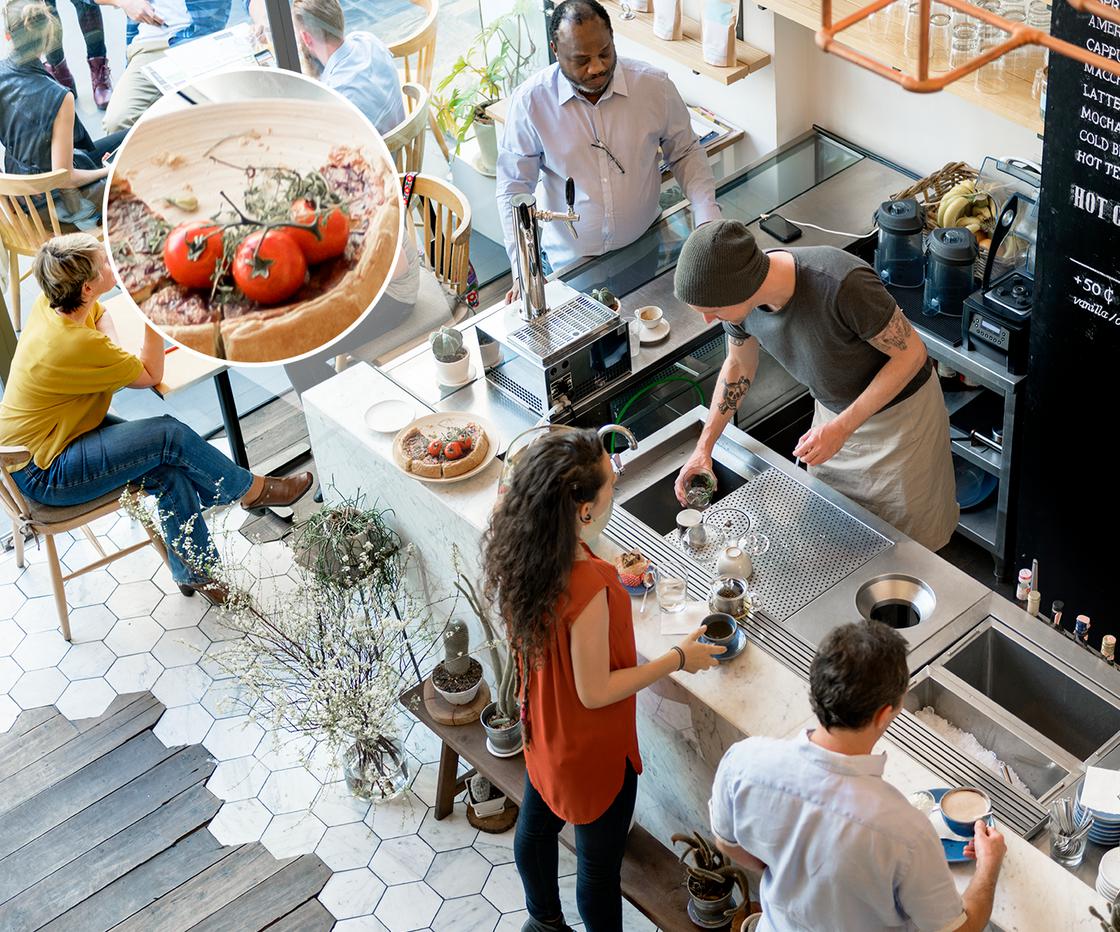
x=599, y=120
x=840, y=848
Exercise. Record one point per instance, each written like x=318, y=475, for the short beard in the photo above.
x=584, y=89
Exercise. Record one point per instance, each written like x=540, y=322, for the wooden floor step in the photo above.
x=312, y=916
x=286, y=890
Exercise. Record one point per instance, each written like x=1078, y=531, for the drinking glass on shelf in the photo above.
x=671, y=592
x=939, y=41
x=966, y=45
x=1038, y=17
x=913, y=29
x=992, y=77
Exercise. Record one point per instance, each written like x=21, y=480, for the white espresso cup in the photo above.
x=650, y=316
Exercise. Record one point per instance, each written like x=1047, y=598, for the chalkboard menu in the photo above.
x=1069, y=495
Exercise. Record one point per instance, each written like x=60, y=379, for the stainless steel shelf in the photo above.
x=987, y=459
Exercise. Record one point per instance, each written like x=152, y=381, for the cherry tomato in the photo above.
x=191, y=253
x=274, y=271
x=465, y=442
x=333, y=226
x=453, y=450
x=435, y=448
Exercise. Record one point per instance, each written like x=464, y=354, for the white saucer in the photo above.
x=496, y=753
x=472, y=374
x=390, y=416
x=656, y=334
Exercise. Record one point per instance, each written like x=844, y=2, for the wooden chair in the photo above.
x=406, y=139
x=22, y=226
x=440, y=214
x=418, y=50
x=47, y=520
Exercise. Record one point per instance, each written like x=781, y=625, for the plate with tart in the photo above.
x=255, y=231
x=446, y=447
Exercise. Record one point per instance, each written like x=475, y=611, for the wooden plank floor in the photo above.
x=102, y=827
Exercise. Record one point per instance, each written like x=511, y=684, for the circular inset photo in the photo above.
x=250, y=224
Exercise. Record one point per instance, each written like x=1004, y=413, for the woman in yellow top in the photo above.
x=66, y=368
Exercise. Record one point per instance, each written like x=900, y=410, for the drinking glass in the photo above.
x=1069, y=849
x=992, y=78
x=671, y=592
x=913, y=29
x=939, y=41
x=966, y=45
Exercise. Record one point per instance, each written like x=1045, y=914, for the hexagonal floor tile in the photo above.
x=400, y=816
x=41, y=650
x=408, y=907
x=402, y=860
x=133, y=636
x=449, y=833
x=281, y=748
x=181, y=686
x=163, y=581
x=10, y=671
x=232, y=737
x=422, y=744
x=187, y=724
x=179, y=611
x=346, y=847
x=289, y=790
x=11, y=635
x=134, y=599
x=86, y=698
x=497, y=849
x=90, y=589
x=503, y=888
x=213, y=626
x=9, y=712
x=83, y=661
x=241, y=822
x=135, y=673
x=180, y=647
x=36, y=615
x=92, y=623
x=359, y=924
x=136, y=567
x=80, y=553
x=275, y=558
x=325, y=763
x=469, y=912
x=351, y=893
x=11, y=598
x=240, y=778
x=35, y=581
x=336, y=805
x=126, y=531
x=227, y=698
x=217, y=658
x=38, y=688
x=293, y=833
x=458, y=873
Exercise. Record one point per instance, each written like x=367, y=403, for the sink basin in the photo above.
x=1036, y=691
x=1036, y=768
x=895, y=599
x=656, y=505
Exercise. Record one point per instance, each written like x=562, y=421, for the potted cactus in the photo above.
x=502, y=717
x=711, y=881
x=458, y=676
x=607, y=298
x=484, y=798
x=452, y=360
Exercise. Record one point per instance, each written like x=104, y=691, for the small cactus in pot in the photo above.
x=485, y=798
x=606, y=297
x=452, y=359
x=458, y=676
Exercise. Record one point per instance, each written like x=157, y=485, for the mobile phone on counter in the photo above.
x=780, y=228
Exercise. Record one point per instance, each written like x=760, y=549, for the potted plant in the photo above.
x=452, y=359
x=340, y=544
x=711, y=881
x=607, y=298
x=493, y=65
x=484, y=798
x=501, y=718
x=458, y=676
x=1112, y=923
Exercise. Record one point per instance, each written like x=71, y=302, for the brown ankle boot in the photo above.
x=214, y=592
x=279, y=491
x=102, y=81
x=61, y=73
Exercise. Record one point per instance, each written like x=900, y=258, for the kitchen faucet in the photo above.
x=616, y=458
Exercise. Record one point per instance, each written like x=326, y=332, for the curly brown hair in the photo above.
x=530, y=545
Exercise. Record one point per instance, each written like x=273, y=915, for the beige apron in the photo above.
x=898, y=465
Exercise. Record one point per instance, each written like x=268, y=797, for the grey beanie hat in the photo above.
x=720, y=265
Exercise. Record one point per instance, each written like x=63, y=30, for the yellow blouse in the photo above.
x=62, y=380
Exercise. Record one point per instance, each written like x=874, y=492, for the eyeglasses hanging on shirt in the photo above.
x=602, y=146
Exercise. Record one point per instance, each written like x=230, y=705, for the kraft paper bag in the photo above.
x=717, y=32
x=667, y=20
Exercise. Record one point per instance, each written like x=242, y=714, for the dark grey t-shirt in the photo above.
x=821, y=334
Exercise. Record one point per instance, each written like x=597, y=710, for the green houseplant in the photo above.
x=453, y=361
x=496, y=61
x=712, y=880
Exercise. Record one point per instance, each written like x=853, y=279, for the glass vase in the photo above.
x=376, y=768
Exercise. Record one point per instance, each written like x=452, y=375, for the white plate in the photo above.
x=647, y=335
x=449, y=421
x=389, y=417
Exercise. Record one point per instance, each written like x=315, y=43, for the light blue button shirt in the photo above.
x=362, y=70
x=844, y=850
x=548, y=137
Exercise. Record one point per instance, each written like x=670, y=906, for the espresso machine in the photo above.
x=559, y=348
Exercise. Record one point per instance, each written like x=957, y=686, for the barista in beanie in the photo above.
x=880, y=433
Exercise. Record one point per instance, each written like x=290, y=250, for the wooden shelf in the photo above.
x=1014, y=103
x=688, y=51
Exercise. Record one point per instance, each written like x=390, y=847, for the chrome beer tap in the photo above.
x=526, y=215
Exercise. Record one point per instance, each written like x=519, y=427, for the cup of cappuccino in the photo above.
x=962, y=807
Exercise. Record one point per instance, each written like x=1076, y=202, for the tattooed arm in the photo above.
x=735, y=377
x=906, y=354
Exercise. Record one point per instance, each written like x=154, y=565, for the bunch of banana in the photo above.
x=965, y=206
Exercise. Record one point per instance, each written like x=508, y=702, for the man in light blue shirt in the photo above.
x=839, y=848
x=357, y=65
x=599, y=120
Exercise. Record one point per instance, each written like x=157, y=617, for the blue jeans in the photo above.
x=600, y=846
x=163, y=455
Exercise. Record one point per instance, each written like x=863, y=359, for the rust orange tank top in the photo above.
x=576, y=757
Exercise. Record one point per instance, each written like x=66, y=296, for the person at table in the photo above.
x=569, y=623
x=599, y=120
x=38, y=126
x=838, y=846
x=880, y=432
x=66, y=367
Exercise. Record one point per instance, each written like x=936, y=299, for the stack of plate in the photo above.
x=1106, y=825
x=1108, y=875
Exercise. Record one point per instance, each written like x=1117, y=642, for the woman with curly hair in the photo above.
x=569, y=620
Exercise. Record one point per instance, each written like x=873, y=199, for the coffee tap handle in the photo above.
x=570, y=197
x=525, y=218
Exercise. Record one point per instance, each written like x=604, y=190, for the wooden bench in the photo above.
x=652, y=876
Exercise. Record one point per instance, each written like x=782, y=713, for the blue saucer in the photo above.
x=638, y=590
x=953, y=847
x=737, y=646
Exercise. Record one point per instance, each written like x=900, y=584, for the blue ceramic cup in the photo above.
x=956, y=803
x=720, y=628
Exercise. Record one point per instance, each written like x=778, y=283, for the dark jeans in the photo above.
x=93, y=29
x=91, y=158
x=169, y=459
x=599, y=849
